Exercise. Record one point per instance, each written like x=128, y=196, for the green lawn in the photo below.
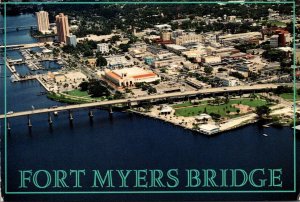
x=190, y=110
x=84, y=94
x=78, y=93
x=287, y=96
x=278, y=23
x=185, y=104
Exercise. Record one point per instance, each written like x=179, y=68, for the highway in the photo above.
x=144, y=98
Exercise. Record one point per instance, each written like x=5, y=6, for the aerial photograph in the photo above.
x=149, y=102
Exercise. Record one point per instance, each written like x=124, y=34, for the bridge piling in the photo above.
x=110, y=111
x=91, y=114
x=8, y=127
x=29, y=122
x=50, y=119
x=70, y=116
x=129, y=105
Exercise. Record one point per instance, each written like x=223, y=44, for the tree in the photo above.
x=96, y=89
x=152, y=90
x=115, y=38
x=124, y=47
x=84, y=86
x=274, y=55
x=215, y=116
x=156, y=82
x=101, y=61
x=208, y=70
x=262, y=111
x=118, y=95
x=237, y=75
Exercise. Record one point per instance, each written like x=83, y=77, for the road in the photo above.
x=144, y=98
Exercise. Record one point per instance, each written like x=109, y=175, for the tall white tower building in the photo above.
x=42, y=18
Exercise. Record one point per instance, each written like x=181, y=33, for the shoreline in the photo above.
x=193, y=129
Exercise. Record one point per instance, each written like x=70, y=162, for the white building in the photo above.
x=209, y=129
x=230, y=81
x=103, y=48
x=165, y=110
x=127, y=77
x=71, y=40
x=274, y=41
x=162, y=27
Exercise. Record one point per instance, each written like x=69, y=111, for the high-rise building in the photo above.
x=71, y=40
x=62, y=25
x=42, y=21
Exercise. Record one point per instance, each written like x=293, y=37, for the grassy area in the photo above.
x=278, y=23
x=83, y=94
x=190, y=110
x=287, y=96
x=64, y=99
x=185, y=104
x=78, y=93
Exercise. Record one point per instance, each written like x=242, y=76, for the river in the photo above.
x=129, y=141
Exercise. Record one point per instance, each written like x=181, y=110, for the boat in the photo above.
x=55, y=113
x=10, y=112
x=265, y=135
x=13, y=69
x=13, y=78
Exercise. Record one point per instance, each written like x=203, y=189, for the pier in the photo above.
x=16, y=76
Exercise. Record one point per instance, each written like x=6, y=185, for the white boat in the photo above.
x=265, y=135
x=13, y=78
x=13, y=69
x=55, y=113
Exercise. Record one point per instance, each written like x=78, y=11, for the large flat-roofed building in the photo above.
x=175, y=48
x=177, y=60
x=127, y=77
x=188, y=38
x=162, y=27
x=118, y=61
x=240, y=37
x=42, y=18
x=211, y=59
x=62, y=25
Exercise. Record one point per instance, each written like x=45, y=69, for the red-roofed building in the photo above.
x=127, y=77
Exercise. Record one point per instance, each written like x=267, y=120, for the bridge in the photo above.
x=151, y=98
x=20, y=46
x=20, y=27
